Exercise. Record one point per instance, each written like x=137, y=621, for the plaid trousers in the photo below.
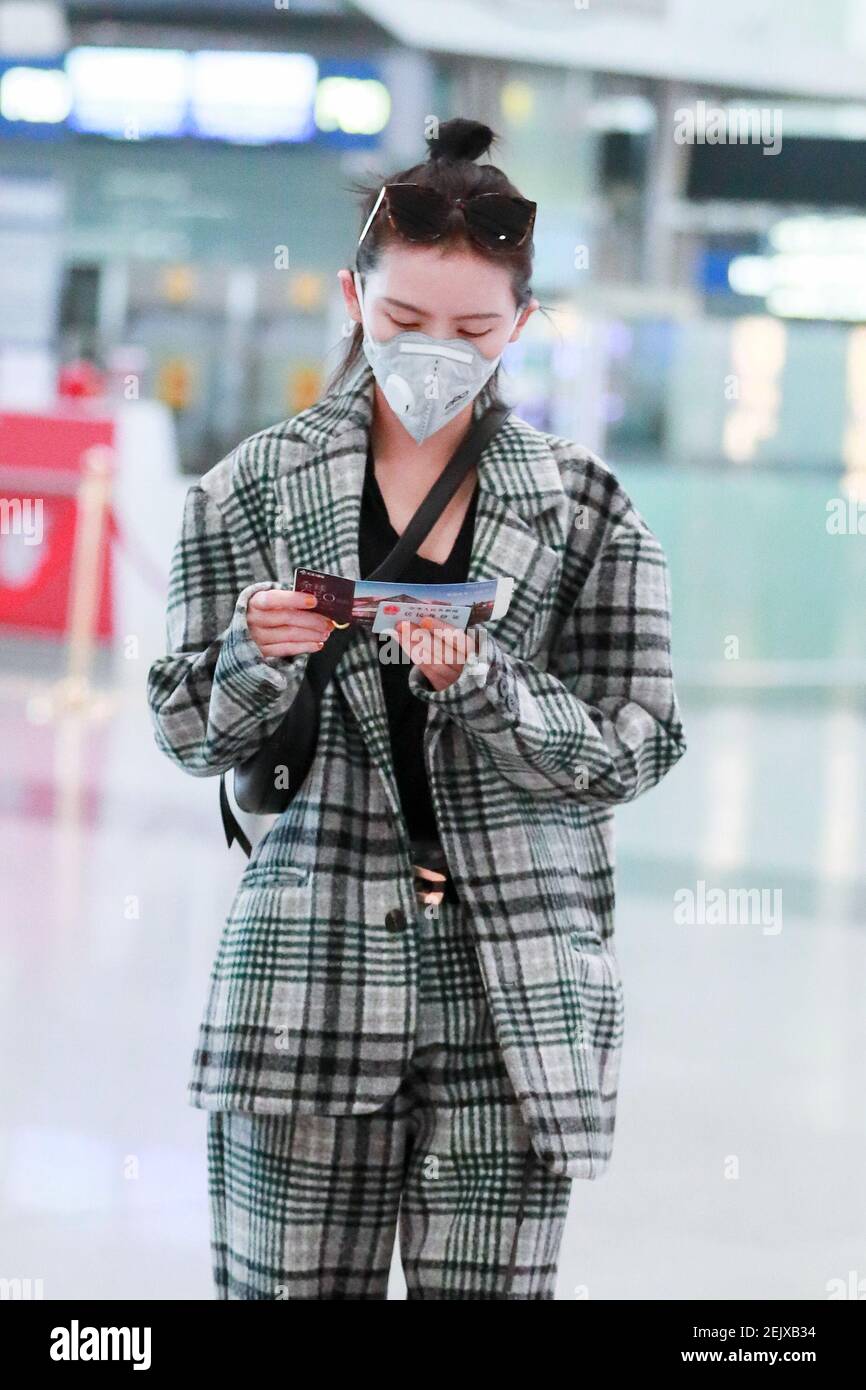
x=307, y=1206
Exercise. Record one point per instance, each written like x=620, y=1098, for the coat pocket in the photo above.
x=266, y=901
x=265, y=933
x=274, y=876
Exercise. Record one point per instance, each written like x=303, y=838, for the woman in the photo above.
x=370, y=1061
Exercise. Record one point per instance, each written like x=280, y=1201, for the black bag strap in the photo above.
x=321, y=665
x=232, y=828
x=421, y=524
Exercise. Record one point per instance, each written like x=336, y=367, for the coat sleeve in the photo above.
x=214, y=698
x=601, y=724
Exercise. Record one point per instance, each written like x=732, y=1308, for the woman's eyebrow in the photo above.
x=401, y=304
x=413, y=309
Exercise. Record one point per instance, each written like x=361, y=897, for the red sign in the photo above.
x=40, y=470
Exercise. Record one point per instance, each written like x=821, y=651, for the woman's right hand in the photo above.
x=281, y=624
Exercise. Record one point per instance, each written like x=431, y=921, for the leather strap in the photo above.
x=232, y=828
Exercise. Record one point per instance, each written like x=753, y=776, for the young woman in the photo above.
x=379, y=1055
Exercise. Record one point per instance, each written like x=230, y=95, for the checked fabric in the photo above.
x=313, y=1000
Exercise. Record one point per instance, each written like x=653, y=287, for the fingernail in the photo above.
x=311, y=600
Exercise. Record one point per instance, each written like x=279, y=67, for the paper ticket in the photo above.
x=378, y=605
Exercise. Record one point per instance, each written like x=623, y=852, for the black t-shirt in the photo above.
x=407, y=715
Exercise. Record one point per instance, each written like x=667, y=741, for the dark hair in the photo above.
x=450, y=169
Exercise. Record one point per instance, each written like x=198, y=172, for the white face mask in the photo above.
x=426, y=381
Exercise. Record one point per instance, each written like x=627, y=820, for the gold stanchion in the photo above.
x=75, y=694
x=94, y=495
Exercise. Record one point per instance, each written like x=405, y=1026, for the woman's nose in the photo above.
x=440, y=328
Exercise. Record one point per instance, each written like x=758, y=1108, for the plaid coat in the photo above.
x=313, y=994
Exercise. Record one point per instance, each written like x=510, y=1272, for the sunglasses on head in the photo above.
x=496, y=221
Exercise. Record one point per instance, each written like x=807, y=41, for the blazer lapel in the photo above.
x=520, y=530
x=517, y=533
x=320, y=496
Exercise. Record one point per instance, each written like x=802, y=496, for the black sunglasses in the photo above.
x=496, y=221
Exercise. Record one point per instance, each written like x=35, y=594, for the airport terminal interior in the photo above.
x=176, y=199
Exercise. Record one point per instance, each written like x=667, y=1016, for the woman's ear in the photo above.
x=347, y=285
x=525, y=315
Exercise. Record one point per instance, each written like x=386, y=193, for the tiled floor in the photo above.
x=741, y=1139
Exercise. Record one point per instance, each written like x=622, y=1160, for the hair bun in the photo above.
x=460, y=139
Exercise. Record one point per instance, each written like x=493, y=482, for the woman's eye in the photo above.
x=414, y=327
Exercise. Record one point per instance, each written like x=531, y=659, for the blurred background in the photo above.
x=174, y=207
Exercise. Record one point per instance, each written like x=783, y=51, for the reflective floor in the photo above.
x=741, y=1138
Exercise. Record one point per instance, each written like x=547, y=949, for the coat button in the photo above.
x=395, y=920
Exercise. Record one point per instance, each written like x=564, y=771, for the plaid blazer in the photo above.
x=313, y=993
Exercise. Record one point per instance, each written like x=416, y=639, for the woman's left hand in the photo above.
x=436, y=648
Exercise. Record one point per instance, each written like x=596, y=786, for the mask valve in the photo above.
x=399, y=394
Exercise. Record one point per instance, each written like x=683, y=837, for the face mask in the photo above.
x=426, y=381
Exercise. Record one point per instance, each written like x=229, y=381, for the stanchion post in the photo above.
x=94, y=496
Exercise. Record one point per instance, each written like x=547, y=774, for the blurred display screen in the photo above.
x=128, y=93
x=159, y=93
x=252, y=98
x=34, y=99
x=805, y=170
x=811, y=266
x=353, y=105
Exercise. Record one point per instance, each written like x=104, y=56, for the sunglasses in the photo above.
x=495, y=221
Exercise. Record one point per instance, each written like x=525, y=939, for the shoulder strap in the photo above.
x=465, y=456
x=232, y=828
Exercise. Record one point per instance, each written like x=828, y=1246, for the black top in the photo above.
x=407, y=715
